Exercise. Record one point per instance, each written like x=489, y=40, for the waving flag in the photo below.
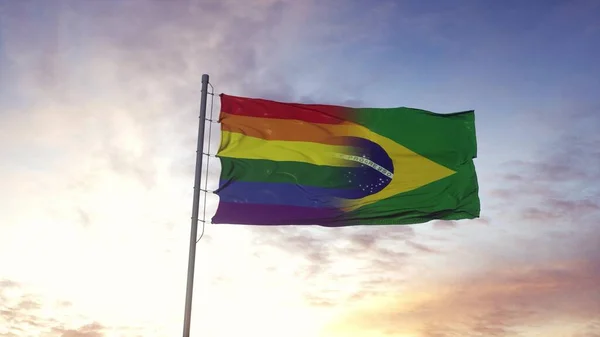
x=289, y=163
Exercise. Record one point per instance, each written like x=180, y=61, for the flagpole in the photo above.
x=195, y=209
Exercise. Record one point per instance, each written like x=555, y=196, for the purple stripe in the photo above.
x=256, y=214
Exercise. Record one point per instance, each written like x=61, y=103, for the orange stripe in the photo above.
x=281, y=129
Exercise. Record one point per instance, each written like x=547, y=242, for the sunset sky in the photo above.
x=98, y=124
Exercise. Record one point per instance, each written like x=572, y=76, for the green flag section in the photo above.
x=310, y=164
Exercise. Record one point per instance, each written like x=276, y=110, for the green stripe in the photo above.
x=447, y=139
x=259, y=170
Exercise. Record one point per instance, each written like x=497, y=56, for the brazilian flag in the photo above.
x=310, y=164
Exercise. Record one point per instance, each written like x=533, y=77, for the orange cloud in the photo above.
x=501, y=301
x=26, y=314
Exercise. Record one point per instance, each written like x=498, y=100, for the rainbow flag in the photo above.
x=310, y=164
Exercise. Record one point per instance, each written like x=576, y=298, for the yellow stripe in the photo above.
x=237, y=145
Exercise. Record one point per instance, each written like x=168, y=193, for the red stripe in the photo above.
x=257, y=107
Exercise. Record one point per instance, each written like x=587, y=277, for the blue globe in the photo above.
x=373, y=169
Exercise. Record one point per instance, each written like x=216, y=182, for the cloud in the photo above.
x=444, y=224
x=552, y=187
x=89, y=330
x=320, y=246
x=23, y=313
x=500, y=303
x=592, y=329
x=421, y=247
x=335, y=266
x=518, y=292
x=6, y=284
x=451, y=224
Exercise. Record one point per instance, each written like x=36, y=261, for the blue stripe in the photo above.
x=246, y=192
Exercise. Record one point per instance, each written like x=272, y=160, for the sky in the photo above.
x=99, y=108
